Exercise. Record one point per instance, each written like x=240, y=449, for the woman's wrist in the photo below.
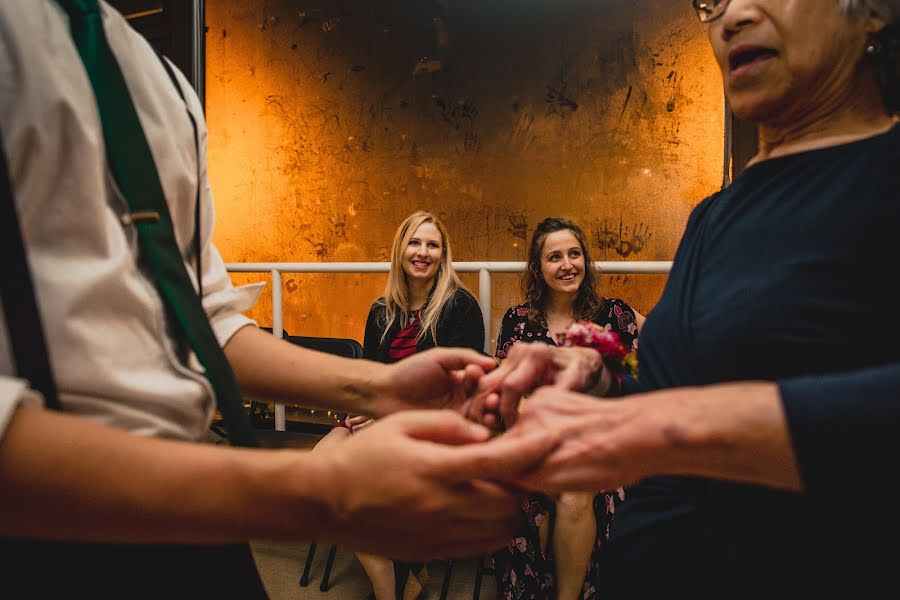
x=604, y=385
x=616, y=359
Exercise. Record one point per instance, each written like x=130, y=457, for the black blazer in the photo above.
x=460, y=325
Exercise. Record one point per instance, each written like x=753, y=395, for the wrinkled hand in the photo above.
x=526, y=367
x=436, y=378
x=601, y=442
x=416, y=485
x=733, y=431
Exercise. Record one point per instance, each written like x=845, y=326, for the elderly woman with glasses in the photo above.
x=764, y=425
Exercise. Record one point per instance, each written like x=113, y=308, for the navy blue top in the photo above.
x=789, y=275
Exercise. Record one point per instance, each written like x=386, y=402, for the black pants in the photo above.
x=30, y=569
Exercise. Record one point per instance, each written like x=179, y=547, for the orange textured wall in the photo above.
x=330, y=122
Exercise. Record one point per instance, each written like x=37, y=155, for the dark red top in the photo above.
x=404, y=343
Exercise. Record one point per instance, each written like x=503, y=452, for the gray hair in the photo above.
x=886, y=9
x=887, y=43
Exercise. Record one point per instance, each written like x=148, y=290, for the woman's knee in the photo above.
x=575, y=504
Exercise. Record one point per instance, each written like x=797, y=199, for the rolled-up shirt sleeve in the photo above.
x=14, y=393
x=845, y=428
x=223, y=302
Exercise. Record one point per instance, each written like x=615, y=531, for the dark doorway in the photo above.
x=170, y=26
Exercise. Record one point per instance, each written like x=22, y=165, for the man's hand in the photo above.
x=527, y=367
x=416, y=485
x=436, y=378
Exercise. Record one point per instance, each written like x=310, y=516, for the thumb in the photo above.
x=572, y=377
x=504, y=457
x=441, y=427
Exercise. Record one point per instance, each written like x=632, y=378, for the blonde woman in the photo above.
x=424, y=305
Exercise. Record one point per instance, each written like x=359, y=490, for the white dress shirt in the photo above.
x=105, y=324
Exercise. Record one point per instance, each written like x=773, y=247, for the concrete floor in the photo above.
x=281, y=564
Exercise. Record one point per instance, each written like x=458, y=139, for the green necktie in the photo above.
x=131, y=162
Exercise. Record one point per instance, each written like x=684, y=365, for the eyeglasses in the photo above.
x=710, y=10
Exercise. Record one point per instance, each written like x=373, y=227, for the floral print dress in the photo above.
x=522, y=570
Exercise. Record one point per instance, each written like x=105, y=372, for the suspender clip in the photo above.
x=142, y=216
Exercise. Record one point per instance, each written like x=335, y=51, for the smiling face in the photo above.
x=785, y=60
x=562, y=262
x=423, y=253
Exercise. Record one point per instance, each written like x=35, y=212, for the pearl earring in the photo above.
x=873, y=48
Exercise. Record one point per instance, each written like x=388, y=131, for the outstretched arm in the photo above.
x=815, y=434
x=734, y=431
x=66, y=478
x=271, y=368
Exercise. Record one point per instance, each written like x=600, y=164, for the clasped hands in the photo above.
x=556, y=382
x=459, y=484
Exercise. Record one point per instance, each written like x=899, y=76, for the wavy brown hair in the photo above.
x=588, y=302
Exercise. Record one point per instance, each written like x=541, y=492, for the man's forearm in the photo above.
x=67, y=478
x=273, y=369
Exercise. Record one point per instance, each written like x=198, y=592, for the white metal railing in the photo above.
x=484, y=270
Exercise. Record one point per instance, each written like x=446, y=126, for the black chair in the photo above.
x=304, y=577
x=351, y=349
x=448, y=570
x=348, y=348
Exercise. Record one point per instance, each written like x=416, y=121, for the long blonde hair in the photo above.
x=396, y=295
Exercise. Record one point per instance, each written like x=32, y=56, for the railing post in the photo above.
x=278, y=331
x=484, y=301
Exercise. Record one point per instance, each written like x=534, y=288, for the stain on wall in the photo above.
x=331, y=121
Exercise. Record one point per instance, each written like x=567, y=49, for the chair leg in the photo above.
x=328, y=564
x=447, y=573
x=476, y=594
x=218, y=431
x=304, y=579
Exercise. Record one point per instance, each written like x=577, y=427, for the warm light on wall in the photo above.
x=327, y=129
